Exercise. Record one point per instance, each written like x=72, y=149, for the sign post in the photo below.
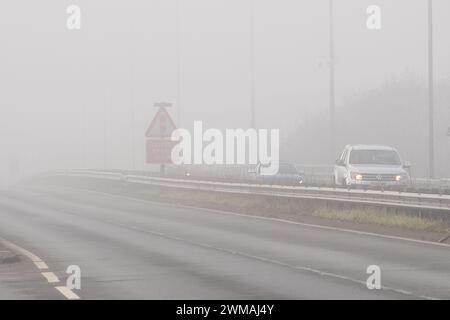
x=159, y=146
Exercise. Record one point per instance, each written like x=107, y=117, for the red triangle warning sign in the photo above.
x=161, y=126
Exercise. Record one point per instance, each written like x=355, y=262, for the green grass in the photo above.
x=382, y=218
x=262, y=206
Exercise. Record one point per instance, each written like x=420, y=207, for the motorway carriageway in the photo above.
x=134, y=249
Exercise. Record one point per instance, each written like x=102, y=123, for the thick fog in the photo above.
x=84, y=98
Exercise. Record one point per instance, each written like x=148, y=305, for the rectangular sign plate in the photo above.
x=159, y=151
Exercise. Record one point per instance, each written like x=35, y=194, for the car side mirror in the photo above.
x=407, y=164
x=339, y=162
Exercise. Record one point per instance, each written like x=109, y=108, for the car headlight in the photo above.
x=356, y=176
x=400, y=177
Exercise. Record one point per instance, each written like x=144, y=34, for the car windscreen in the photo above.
x=381, y=157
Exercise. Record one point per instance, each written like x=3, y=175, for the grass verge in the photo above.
x=381, y=218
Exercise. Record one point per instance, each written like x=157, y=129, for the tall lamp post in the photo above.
x=332, y=83
x=430, y=92
x=178, y=58
x=132, y=97
x=252, y=65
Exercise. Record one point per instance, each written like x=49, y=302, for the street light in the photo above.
x=430, y=92
x=178, y=58
x=331, y=83
x=132, y=98
x=252, y=65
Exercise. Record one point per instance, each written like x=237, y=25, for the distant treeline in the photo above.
x=394, y=114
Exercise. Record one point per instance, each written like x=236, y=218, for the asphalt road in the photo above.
x=131, y=249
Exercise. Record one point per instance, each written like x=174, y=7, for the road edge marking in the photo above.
x=41, y=265
x=66, y=292
x=50, y=277
x=316, y=226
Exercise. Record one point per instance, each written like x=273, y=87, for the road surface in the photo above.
x=133, y=249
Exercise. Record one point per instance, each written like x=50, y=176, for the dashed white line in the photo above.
x=272, y=261
x=51, y=277
x=66, y=292
x=41, y=265
x=26, y=253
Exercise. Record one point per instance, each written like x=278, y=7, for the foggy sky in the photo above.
x=64, y=94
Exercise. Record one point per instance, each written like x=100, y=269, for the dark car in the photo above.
x=287, y=175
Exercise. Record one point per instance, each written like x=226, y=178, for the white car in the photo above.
x=371, y=165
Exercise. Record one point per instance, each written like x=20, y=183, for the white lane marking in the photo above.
x=51, y=277
x=316, y=226
x=66, y=292
x=223, y=212
x=272, y=261
x=323, y=273
x=41, y=265
x=26, y=253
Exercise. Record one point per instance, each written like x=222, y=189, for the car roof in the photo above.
x=369, y=147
